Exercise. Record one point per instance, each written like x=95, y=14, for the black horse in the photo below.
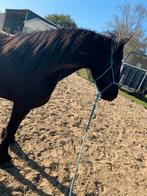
x=31, y=65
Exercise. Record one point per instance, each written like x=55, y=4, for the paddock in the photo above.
x=48, y=140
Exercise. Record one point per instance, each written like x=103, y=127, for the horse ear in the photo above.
x=125, y=40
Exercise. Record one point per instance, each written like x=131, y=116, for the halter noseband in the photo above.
x=105, y=72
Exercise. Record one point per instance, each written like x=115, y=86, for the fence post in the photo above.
x=142, y=81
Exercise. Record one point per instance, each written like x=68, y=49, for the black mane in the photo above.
x=58, y=40
x=55, y=45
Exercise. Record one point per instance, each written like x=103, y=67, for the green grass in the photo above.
x=84, y=74
x=133, y=98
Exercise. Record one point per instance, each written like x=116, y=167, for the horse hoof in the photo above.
x=6, y=165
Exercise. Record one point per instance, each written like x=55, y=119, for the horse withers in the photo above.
x=32, y=64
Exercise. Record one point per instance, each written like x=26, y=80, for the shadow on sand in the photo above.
x=15, y=172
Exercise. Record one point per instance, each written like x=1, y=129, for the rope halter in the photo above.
x=111, y=69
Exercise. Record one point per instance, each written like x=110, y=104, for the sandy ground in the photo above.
x=114, y=162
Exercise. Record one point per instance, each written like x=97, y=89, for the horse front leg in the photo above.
x=8, y=135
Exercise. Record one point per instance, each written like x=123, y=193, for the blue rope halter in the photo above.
x=105, y=72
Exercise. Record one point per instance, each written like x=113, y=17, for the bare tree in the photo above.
x=129, y=22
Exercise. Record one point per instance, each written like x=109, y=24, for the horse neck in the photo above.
x=68, y=66
x=66, y=70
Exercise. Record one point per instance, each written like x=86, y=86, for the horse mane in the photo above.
x=58, y=38
x=57, y=45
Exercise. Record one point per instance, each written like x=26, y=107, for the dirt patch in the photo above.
x=48, y=141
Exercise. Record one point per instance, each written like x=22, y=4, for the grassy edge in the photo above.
x=133, y=98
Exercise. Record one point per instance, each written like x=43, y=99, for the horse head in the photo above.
x=105, y=65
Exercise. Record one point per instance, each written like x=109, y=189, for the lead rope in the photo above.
x=98, y=96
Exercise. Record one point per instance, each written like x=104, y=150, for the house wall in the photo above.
x=2, y=16
x=36, y=24
x=13, y=22
x=31, y=15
